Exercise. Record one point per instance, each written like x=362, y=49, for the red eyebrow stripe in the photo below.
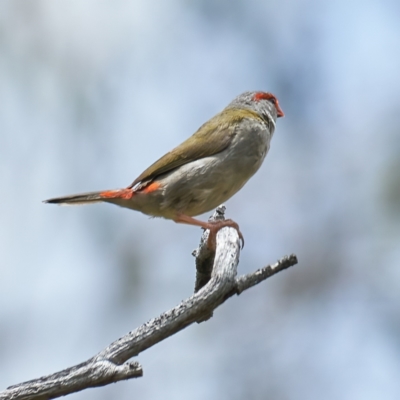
x=268, y=96
x=263, y=96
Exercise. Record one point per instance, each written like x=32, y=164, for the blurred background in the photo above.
x=93, y=92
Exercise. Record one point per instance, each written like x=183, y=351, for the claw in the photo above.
x=241, y=239
x=215, y=226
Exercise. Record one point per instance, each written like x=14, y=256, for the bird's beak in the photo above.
x=279, y=111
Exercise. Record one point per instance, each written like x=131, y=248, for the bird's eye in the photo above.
x=273, y=100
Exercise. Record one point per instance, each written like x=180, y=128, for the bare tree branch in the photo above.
x=204, y=255
x=214, y=285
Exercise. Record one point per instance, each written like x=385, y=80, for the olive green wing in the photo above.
x=211, y=138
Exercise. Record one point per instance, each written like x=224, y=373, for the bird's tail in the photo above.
x=92, y=197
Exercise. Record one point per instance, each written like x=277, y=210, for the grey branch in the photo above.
x=216, y=281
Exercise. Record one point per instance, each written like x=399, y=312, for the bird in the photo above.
x=202, y=172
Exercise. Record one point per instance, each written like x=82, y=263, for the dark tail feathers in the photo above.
x=92, y=197
x=77, y=199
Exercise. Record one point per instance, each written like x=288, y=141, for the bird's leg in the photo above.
x=213, y=226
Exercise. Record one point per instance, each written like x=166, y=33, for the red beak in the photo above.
x=279, y=111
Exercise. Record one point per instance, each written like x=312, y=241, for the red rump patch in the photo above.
x=151, y=188
x=125, y=194
x=269, y=96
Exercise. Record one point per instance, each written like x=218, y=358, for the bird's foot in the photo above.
x=215, y=226
x=212, y=226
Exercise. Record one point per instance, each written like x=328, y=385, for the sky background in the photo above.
x=93, y=92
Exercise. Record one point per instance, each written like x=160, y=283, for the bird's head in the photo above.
x=263, y=103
